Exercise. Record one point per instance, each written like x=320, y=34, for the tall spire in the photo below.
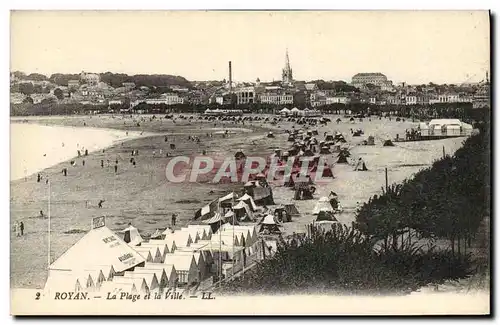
x=287, y=60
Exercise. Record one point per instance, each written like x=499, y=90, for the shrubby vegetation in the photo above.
x=448, y=200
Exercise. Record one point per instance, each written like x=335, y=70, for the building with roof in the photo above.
x=277, y=98
x=360, y=80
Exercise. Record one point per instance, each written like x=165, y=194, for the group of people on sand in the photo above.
x=19, y=228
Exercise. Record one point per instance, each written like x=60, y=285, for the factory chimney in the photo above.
x=230, y=78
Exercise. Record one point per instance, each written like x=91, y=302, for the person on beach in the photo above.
x=99, y=205
x=102, y=163
x=116, y=169
x=65, y=171
x=21, y=228
x=16, y=228
x=86, y=152
x=79, y=153
x=174, y=219
x=38, y=178
x=41, y=214
x=83, y=162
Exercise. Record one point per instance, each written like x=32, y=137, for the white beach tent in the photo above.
x=194, y=232
x=162, y=249
x=139, y=283
x=117, y=288
x=168, y=243
x=145, y=253
x=151, y=280
x=247, y=214
x=132, y=236
x=160, y=274
x=63, y=281
x=201, y=263
x=323, y=204
x=249, y=200
x=295, y=111
x=245, y=234
x=185, y=265
x=203, y=248
x=180, y=237
x=205, y=229
x=98, y=247
x=168, y=269
x=96, y=275
x=108, y=271
x=154, y=252
x=252, y=230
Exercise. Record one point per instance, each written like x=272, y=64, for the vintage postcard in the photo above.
x=250, y=163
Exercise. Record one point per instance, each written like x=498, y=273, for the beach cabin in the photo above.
x=63, y=281
x=194, y=232
x=203, y=248
x=295, y=111
x=204, y=230
x=151, y=280
x=168, y=269
x=181, y=238
x=117, y=288
x=441, y=127
x=98, y=247
x=185, y=265
x=146, y=254
x=159, y=273
x=162, y=250
x=139, y=283
x=169, y=244
x=201, y=263
x=157, y=252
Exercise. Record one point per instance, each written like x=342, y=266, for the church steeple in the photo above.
x=287, y=74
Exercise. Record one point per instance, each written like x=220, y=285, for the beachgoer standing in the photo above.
x=102, y=163
x=100, y=203
x=174, y=219
x=38, y=178
x=116, y=169
x=21, y=228
x=86, y=152
x=83, y=162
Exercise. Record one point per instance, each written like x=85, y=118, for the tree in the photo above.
x=59, y=93
x=28, y=100
x=26, y=88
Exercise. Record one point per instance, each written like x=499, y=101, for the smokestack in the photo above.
x=230, y=78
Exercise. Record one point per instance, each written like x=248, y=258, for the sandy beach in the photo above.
x=141, y=195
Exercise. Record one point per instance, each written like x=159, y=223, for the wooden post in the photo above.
x=386, y=181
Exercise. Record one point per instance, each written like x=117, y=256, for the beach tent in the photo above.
x=201, y=263
x=139, y=283
x=63, y=281
x=181, y=238
x=249, y=201
x=327, y=171
x=295, y=111
x=107, y=270
x=291, y=210
x=195, y=233
x=160, y=274
x=228, y=238
x=168, y=269
x=185, y=265
x=117, y=288
x=325, y=215
x=99, y=247
x=323, y=204
x=205, y=230
x=169, y=244
x=151, y=280
x=203, y=248
x=96, y=275
x=252, y=232
x=227, y=199
x=157, y=251
x=243, y=212
x=263, y=196
x=269, y=224
x=146, y=254
x=285, y=111
x=132, y=236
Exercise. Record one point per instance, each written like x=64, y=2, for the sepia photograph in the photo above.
x=250, y=162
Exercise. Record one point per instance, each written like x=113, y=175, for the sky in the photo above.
x=411, y=46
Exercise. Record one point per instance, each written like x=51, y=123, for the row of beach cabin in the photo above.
x=102, y=261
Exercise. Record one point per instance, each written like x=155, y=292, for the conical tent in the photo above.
x=132, y=236
x=323, y=204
